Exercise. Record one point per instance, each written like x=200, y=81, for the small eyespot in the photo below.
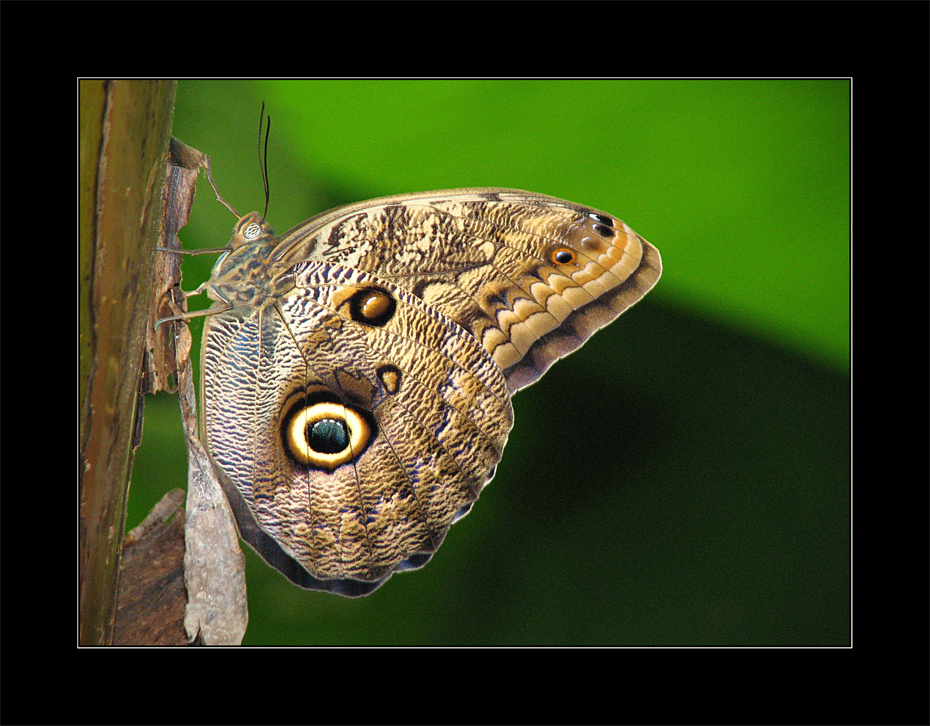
x=563, y=255
x=390, y=376
x=252, y=231
x=372, y=306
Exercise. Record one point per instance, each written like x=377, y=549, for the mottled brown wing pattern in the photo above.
x=356, y=381
x=432, y=407
x=531, y=276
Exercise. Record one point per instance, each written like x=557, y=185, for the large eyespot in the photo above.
x=252, y=231
x=319, y=431
x=372, y=306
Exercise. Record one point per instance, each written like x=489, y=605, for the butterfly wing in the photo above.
x=358, y=409
x=351, y=424
x=532, y=277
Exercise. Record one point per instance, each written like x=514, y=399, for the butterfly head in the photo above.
x=250, y=230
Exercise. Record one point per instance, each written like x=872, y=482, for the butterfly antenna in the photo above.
x=263, y=159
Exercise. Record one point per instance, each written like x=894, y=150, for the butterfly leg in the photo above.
x=225, y=306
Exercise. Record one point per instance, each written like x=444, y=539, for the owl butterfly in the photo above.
x=356, y=374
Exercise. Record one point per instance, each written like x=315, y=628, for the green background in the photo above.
x=682, y=480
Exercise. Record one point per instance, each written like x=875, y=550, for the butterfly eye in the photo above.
x=563, y=255
x=252, y=231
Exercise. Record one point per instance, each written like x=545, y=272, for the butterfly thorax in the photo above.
x=246, y=275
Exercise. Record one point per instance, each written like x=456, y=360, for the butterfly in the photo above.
x=357, y=371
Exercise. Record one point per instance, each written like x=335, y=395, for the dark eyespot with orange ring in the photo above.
x=372, y=306
x=563, y=255
x=321, y=432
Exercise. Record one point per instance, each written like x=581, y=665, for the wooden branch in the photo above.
x=124, y=133
x=152, y=599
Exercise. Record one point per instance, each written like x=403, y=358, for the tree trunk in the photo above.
x=124, y=134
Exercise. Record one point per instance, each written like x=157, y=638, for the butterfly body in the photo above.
x=356, y=379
